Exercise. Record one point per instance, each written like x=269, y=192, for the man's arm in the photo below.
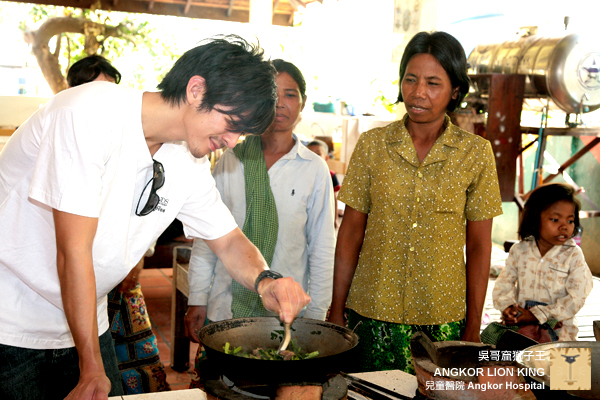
x=244, y=263
x=479, y=251
x=74, y=239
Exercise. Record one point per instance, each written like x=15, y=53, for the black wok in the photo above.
x=333, y=342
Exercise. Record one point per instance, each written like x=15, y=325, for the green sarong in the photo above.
x=385, y=346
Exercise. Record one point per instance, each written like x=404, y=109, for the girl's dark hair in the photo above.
x=294, y=72
x=89, y=68
x=539, y=201
x=449, y=53
x=239, y=82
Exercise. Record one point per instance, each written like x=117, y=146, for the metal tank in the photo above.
x=566, y=68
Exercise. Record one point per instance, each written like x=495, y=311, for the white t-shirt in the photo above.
x=84, y=153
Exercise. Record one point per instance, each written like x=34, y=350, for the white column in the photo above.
x=261, y=12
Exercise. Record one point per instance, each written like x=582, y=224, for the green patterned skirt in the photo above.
x=385, y=346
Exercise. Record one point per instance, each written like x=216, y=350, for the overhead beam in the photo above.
x=161, y=8
x=188, y=4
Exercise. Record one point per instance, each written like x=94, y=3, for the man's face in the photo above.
x=208, y=131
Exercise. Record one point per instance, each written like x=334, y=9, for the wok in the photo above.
x=334, y=343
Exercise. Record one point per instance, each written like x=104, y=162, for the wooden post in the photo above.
x=503, y=126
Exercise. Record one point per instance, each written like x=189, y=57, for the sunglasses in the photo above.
x=157, y=180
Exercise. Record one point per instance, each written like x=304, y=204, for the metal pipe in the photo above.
x=581, y=110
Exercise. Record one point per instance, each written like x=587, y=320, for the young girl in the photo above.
x=546, y=279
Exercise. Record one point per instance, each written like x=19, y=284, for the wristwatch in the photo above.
x=267, y=273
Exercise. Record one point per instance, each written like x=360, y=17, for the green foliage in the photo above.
x=41, y=13
x=386, y=94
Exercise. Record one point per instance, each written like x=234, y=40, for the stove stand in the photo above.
x=222, y=388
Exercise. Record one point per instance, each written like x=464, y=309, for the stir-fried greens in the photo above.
x=270, y=354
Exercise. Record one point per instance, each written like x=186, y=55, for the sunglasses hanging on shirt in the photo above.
x=157, y=181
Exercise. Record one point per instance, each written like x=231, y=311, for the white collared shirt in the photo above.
x=561, y=279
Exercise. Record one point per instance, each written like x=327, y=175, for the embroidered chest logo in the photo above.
x=162, y=204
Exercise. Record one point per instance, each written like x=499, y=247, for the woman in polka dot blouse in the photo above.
x=420, y=194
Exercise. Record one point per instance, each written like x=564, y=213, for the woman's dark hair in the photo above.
x=89, y=68
x=239, y=82
x=449, y=53
x=294, y=72
x=539, y=200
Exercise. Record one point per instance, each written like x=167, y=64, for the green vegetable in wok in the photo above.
x=270, y=354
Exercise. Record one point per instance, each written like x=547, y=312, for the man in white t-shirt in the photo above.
x=90, y=181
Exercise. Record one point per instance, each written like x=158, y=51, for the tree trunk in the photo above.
x=47, y=60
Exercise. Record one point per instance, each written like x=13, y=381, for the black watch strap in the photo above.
x=267, y=273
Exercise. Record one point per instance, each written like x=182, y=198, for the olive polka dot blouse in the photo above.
x=411, y=268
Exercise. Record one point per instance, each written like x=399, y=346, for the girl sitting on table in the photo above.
x=546, y=279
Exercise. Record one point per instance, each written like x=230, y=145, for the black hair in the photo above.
x=89, y=68
x=293, y=71
x=320, y=143
x=239, y=82
x=449, y=53
x=540, y=200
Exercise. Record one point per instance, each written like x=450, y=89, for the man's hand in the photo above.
x=283, y=296
x=94, y=387
x=194, y=320
x=244, y=263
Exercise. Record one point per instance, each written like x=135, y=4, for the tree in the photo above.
x=76, y=34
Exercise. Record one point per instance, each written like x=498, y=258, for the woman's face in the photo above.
x=426, y=89
x=289, y=103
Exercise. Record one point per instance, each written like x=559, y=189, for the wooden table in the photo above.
x=189, y=394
